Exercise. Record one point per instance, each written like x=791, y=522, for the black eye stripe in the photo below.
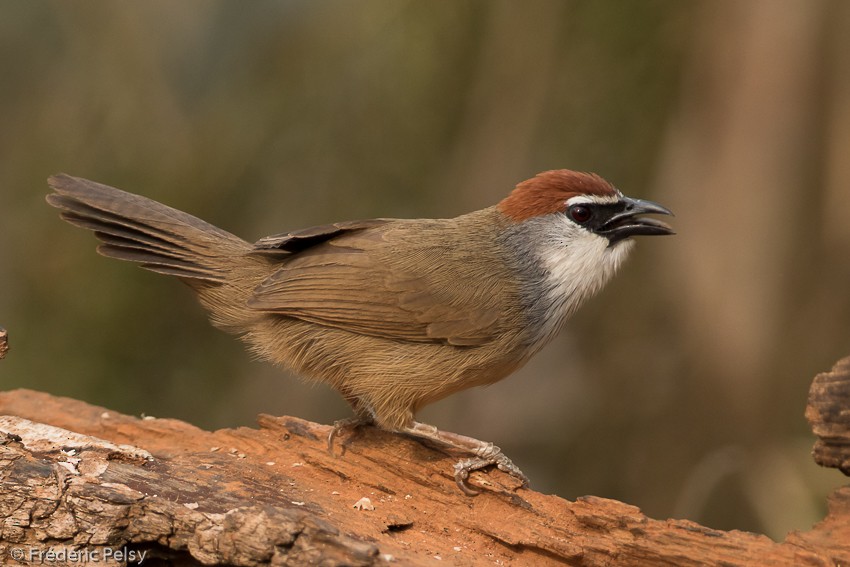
x=598, y=214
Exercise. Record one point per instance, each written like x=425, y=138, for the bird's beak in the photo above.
x=628, y=223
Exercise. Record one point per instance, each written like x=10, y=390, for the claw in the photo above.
x=348, y=423
x=462, y=470
x=503, y=463
x=485, y=454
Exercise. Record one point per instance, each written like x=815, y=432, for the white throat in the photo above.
x=575, y=264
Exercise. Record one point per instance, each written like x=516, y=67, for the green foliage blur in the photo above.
x=679, y=389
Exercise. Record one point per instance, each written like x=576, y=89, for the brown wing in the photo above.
x=296, y=241
x=378, y=278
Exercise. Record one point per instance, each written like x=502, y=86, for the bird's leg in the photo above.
x=351, y=424
x=484, y=454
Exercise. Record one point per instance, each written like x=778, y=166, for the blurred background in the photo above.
x=679, y=389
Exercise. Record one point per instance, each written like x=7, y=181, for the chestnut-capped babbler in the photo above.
x=392, y=313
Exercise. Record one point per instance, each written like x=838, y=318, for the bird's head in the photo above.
x=568, y=233
x=590, y=205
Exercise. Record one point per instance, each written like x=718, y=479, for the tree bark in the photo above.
x=81, y=479
x=4, y=342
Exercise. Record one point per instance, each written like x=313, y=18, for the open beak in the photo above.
x=628, y=222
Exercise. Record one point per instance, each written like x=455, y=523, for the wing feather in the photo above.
x=380, y=278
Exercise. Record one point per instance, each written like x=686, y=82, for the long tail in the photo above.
x=138, y=229
x=215, y=263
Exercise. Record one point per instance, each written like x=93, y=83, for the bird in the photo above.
x=394, y=314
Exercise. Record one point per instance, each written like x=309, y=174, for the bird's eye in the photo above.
x=580, y=213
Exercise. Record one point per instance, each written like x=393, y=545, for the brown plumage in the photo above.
x=394, y=314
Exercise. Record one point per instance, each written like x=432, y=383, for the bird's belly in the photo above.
x=391, y=376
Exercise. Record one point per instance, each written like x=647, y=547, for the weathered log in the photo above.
x=4, y=342
x=83, y=479
x=828, y=412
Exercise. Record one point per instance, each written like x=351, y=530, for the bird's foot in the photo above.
x=350, y=425
x=499, y=459
x=485, y=455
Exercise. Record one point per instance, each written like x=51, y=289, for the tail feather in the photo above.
x=114, y=242
x=138, y=229
x=161, y=263
x=98, y=222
